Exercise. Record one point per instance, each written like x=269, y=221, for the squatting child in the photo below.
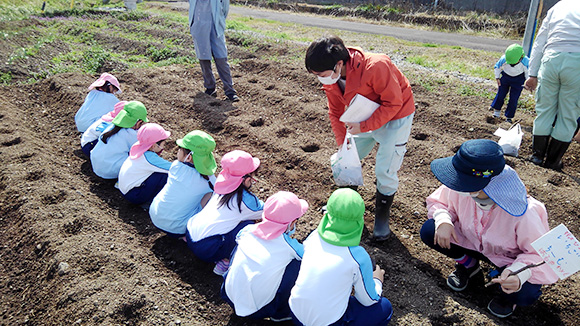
x=266, y=261
x=189, y=185
x=211, y=233
x=115, y=142
x=333, y=265
x=100, y=100
x=144, y=172
x=483, y=212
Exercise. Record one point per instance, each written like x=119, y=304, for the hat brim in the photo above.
x=446, y=173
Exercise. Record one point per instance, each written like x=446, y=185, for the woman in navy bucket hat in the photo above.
x=483, y=212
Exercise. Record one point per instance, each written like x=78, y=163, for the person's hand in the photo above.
x=443, y=235
x=509, y=284
x=498, y=82
x=379, y=273
x=531, y=83
x=353, y=128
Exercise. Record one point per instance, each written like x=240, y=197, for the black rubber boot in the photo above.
x=383, y=204
x=554, y=155
x=539, y=146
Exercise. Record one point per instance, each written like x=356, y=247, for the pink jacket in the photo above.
x=504, y=239
x=378, y=79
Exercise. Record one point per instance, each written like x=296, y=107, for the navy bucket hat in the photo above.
x=472, y=167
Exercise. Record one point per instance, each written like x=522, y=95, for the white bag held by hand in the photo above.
x=346, y=167
x=510, y=140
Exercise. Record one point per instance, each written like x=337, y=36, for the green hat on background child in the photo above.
x=201, y=145
x=131, y=113
x=343, y=222
x=513, y=54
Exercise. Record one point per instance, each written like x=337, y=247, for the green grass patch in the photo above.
x=94, y=58
x=5, y=78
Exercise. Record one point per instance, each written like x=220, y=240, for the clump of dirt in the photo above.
x=75, y=252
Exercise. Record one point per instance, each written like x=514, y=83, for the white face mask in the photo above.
x=328, y=80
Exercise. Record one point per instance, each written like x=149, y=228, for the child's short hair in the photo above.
x=324, y=53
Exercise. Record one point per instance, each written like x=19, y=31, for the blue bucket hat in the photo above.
x=473, y=166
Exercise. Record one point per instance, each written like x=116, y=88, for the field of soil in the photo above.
x=74, y=252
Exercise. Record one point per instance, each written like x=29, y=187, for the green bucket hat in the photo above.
x=131, y=113
x=513, y=54
x=343, y=222
x=201, y=145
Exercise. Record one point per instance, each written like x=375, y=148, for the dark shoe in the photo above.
x=233, y=98
x=211, y=92
x=500, y=307
x=459, y=279
x=381, y=231
x=539, y=147
x=554, y=154
x=509, y=120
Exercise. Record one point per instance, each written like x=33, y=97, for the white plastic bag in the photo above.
x=510, y=140
x=346, y=167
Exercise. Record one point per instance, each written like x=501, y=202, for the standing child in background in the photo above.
x=91, y=136
x=266, y=262
x=115, y=142
x=483, y=212
x=144, y=172
x=511, y=71
x=99, y=101
x=333, y=264
x=211, y=233
x=189, y=185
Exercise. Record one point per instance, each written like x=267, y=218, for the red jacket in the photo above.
x=377, y=78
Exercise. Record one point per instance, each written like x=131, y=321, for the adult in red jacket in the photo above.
x=347, y=71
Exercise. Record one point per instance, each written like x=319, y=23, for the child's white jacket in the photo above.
x=214, y=219
x=257, y=268
x=135, y=171
x=513, y=71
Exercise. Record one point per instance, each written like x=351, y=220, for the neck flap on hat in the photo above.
x=340, y=232
x=508, y=191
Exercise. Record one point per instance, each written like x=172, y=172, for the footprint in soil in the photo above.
x=556, y=179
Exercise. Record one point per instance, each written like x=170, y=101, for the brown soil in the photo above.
x=74, y=252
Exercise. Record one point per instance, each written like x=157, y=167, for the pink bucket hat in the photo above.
x=147, y=135
x=280, y=210
x=106, y=77
x=111, y=115
x=235, y=165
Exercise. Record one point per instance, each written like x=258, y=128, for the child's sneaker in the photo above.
x=459, y=279
x=500, y=307
x=496, y=113
x=222, y=267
